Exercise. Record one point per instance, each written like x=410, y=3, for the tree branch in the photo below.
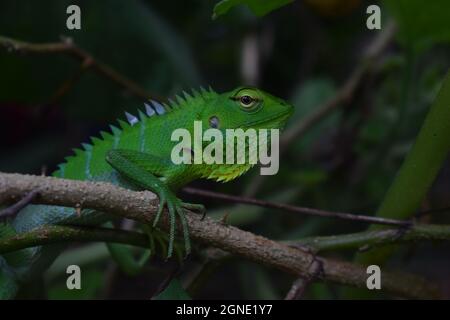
x=367, y=239
x=296, y=209
x=142, y=206
x=59, y=234
x=66, y=46
x=19, y=205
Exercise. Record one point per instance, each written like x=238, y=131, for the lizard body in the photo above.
x=138, y=156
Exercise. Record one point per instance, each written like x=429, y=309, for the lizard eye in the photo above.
x=248, y=99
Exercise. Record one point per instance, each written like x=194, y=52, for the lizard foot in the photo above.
x=175, y=208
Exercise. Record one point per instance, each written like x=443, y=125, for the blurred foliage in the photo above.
x=421, y=25
x=333, y=8
x=258, y=7
x=304, y=51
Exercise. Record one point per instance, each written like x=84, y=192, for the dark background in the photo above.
x=302, y=52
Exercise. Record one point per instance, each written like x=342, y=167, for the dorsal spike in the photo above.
x=172, y=104
x=77, y=152
x=202, y=90
x=87, y=146
x=114, y=130
x=123, y=124
x=210, y=89
x=187, y=96
x=95, y=141
x=131, y=119
x=195, y=93
x=149, y=110
x=141, y=115
x=167, y=107
x=180, y=100
x=159, y=108
x=105, y=135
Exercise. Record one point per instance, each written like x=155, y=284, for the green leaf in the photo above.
x=174, y=291
x=421, y=23
x=418, y=170
x=258, y=7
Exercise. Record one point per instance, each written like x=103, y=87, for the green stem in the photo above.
x=416, y=174
x=52, y=234
x=419, y=169
x=59, y=234
x=376, y=238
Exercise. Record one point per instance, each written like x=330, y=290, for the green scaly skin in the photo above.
x=138, y=157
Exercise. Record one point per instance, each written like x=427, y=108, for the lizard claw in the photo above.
x=199, y=208
x=174, y=208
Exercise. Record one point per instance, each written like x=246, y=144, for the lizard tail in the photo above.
x=15, y=266
x=9, y=278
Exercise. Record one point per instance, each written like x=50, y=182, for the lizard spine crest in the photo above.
x=152, y=108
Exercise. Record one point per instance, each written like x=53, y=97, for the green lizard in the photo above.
x=138, y=156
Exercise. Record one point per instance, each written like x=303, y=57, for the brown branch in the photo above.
x=297, y=289
x=66, y=46
x=19, y=205
x=67, y=85
x=165, y=283
x=62, y=234
x=296, y=209
x=142, y=206
x=300, y=285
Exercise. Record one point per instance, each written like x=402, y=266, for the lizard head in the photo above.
x=247, y=107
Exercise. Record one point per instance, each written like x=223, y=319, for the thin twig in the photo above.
x=66, y=46
x=375, y=238
x=432, y=211
x=300, y=285
x=142, y=206
x=12, y=210
x=67, y=85
x=291, y=208
x=297, y=289
x=165, y=283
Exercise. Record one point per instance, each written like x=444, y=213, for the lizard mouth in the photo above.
x=276, y=121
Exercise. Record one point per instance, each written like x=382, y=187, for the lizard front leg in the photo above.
x=141, y=169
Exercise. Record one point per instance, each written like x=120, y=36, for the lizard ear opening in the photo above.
x=214, y=122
